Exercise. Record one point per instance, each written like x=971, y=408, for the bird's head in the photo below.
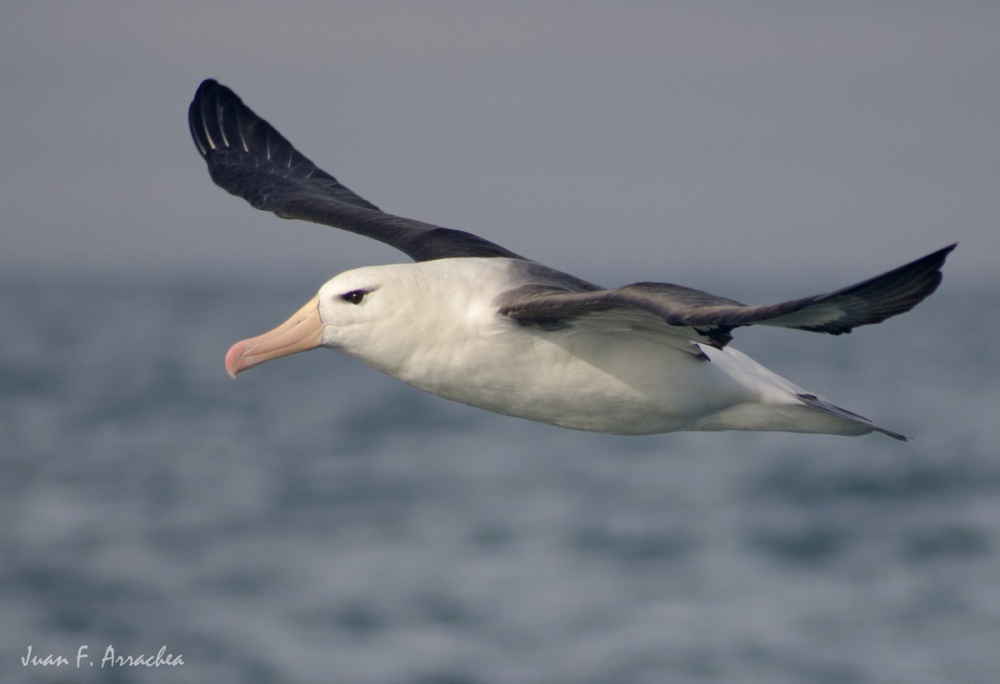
x=353, y=313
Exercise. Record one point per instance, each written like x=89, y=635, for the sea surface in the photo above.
x=316, y=521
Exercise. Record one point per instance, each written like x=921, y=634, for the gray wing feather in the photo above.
x=247, y=157
x=709, y=319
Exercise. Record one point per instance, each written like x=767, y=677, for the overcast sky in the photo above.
x=655, y=140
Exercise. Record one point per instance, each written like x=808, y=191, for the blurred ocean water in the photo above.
x=316, y=521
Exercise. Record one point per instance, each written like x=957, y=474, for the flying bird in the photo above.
x=473, y=322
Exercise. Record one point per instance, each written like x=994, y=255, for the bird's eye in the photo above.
x=354, y=296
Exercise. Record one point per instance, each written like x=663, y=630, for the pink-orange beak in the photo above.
x=301, y=332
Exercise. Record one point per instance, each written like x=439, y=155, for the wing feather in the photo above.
x=249, y=158
x=710, y=319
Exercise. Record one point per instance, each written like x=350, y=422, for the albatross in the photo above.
x=476, y=323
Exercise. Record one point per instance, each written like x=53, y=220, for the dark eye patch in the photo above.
x=354, y=296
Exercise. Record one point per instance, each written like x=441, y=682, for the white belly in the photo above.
x=622, y=385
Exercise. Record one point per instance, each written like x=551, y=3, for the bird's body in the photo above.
x=619, y=379
x=475, y=323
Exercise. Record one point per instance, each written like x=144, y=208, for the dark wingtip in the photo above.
x=933, y=262
x=896, y=291
x=930, y=265
x=938, y=258
x=203, y=114
x=246, y=155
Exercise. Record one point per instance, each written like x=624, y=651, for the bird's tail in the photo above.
x=823, y=405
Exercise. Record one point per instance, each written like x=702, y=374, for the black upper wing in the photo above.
x=709, y=319
x=249, y=158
